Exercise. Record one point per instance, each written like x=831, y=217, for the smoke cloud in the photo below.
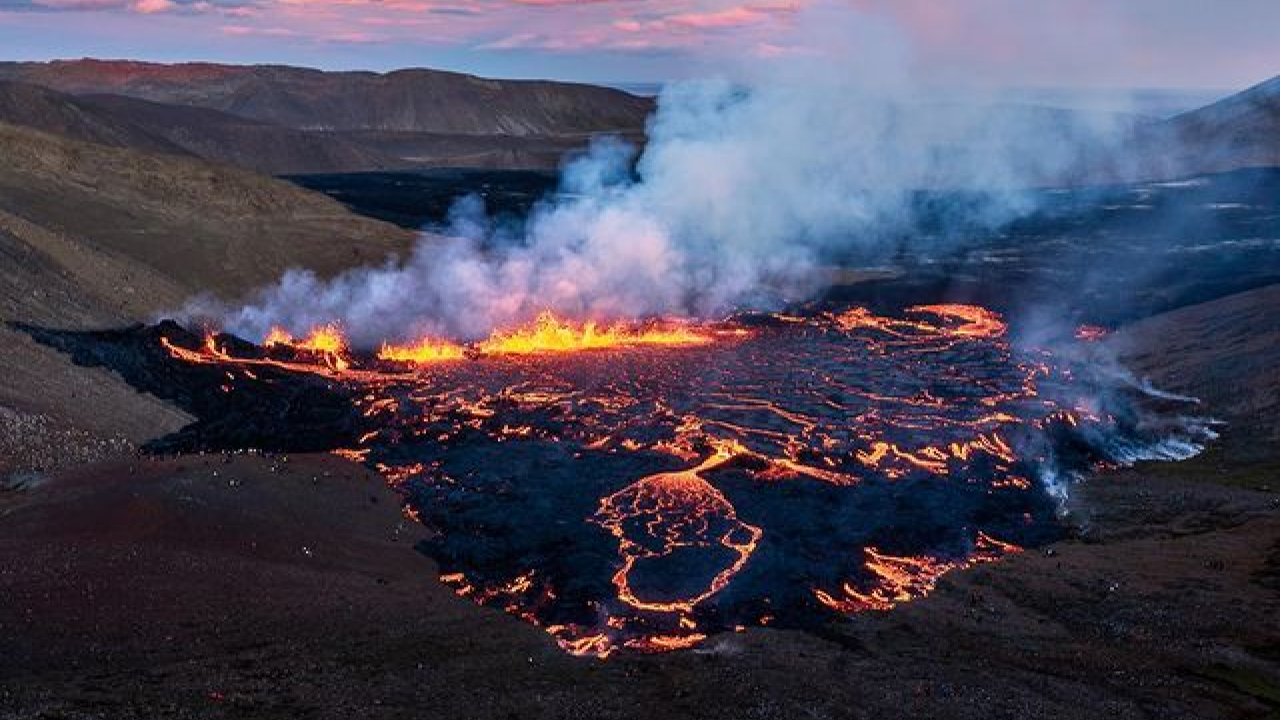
x=743, y=191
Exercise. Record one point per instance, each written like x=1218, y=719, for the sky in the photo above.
x=1003, y=43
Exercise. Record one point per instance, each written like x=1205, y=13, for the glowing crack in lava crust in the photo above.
x=643, y=486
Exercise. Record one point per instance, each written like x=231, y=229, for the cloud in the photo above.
x=1137, y=42
x=732, y=17
x=148, y=7
x=138, y=7
x=559, y=3
x=247, y=30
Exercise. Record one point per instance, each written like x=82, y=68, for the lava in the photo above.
x=327, y=342
x=422, y=352
x=550, y=334
x=899, y=579
x=643, y=485
x=1090, y=333
x=669, y=512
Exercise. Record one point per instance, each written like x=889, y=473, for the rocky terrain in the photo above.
x=268, y=585
x=93, y=236
x=280, y=119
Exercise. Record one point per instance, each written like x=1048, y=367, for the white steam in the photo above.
x=742, y=190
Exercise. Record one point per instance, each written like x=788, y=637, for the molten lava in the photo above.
x=326, y=342
x=422, y=352
x=550, y=334
x=666, y=513
x=644, y=485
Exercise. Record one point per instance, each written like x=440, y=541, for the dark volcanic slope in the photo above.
x=92, y=235
x=125, y=122
x=53, y=112
x=203, y=226
x=406, y=100
x=283, y=120
x=252, y=144
x=1239, y=131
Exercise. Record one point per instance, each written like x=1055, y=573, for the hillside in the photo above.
x=1239, y=131
x=412, y=100
x=92, y=235
x=282, y=120
x=35, y=106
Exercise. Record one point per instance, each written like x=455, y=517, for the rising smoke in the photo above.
x=743, y=190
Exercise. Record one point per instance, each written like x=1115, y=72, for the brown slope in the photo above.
x=252, y=144
x=201, y=225
x=417, y=100
x=54, y=112
x=127, y=122
x=1239, y=131
x=92, y=235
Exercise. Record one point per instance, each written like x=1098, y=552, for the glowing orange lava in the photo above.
x=978, y=322
x=326, y=341
x=422, y=352
x=1090, y=333
x=660, y=514
x=550, y=334
x=899, y=579
x=835, y=406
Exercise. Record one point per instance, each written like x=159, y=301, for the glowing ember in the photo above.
x=680, y=480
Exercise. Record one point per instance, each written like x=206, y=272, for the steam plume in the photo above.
x=742, y=190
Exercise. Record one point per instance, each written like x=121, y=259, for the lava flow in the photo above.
x=646, y=485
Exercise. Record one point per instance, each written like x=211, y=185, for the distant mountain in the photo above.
x=284, y=120
x=1239, y=131
x=38, y=107
x=281, y=120
x=414, y=100
x=252, y=144
x=125, y=122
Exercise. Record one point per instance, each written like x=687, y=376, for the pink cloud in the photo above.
x=555, y=3
x=248, y=30
x=732, y=17
x=79, y=4
x=149, y=7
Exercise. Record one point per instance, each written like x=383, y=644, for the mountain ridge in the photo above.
x=409, y=99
